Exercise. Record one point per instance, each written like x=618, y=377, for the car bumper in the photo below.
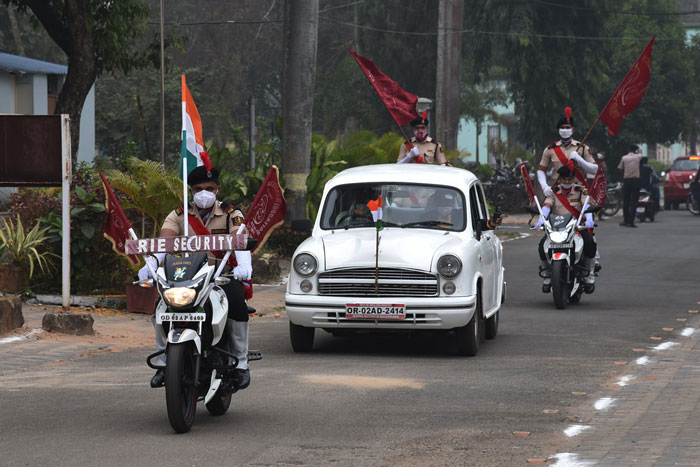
x=675, y=192
x=421, y=313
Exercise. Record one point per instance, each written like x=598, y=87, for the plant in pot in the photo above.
x=21, y=253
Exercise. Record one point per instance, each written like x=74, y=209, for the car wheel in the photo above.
x=667, y=205
x=676, y=205
x=470, y=335
x=492, y=326
x=302, y=338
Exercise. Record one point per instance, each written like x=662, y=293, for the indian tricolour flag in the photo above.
x=375, y=207
x=192, y=141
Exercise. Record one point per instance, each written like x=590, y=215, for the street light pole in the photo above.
x=162, y=87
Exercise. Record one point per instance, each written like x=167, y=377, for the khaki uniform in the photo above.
x=629, y=164
x=576, y=197
x=550, y=159
x=430, y=150
x=215, y=224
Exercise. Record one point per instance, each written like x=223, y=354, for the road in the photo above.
x=383, y=399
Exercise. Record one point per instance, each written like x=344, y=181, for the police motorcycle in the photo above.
x=191, y=315
x=564, y=249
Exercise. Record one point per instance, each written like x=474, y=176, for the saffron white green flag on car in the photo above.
x=375, y=207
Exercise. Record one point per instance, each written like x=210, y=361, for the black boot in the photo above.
x=158, y=379
x=241, y=378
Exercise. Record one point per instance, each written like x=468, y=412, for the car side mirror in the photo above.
x=301, y=225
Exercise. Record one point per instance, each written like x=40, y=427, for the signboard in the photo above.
x=30, y=150
x=192, y=244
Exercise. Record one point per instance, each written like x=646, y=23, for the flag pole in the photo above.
x=376, y=265
x=183, y=157
x=591, y=129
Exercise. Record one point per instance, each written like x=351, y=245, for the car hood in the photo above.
x=412, y=248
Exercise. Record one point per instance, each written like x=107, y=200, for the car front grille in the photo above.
x=360, y=282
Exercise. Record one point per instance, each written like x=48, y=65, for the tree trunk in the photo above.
x=449, y=55
x=14, y=28
x=299, y=73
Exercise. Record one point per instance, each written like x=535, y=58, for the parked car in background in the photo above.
x=437, y=270
x=678, y=178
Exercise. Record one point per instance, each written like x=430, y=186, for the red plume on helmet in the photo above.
x=424, y=115
x=206, y=160
x=567, y=111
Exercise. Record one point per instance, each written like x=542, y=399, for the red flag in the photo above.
x=528, y=183
x=117, y=226
x=400, y=104
x=599, y=188
x=629, y=93
x=268, y=209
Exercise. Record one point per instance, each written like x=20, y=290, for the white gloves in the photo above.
x=153, y=261
x=412, y=154
x=244, y=270
x=542, y=178
x=545, y=214
x=589, y=167
x=589, y=221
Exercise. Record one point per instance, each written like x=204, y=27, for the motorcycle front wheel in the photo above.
x=560, y=284
x=692, y=206
x=180, y=391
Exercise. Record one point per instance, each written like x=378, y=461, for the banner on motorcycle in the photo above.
x=268, y=209
x=528, y=183
x=145, y=246
x=599, y=188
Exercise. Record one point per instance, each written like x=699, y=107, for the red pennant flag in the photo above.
x=528, y=183
x=599, y=188
x=400, y=104
x=268, y=209
x=117, y=226
x=629, y=93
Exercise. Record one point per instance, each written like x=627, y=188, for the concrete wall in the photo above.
x=39, y=93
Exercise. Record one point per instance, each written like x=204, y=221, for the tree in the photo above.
x=299, y=71
x=478, y=103
x=97, y=36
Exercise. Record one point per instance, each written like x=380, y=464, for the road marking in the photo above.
x=624, y=380
x=7, y=340
x=604, y=404
x=363, y=382
x=687, y=332
x=643, y=360
x=575, y=430
x=665, y=346
x=569, y=459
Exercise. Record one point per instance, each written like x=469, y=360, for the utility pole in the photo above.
x=251, y=134
x=449, y=60
x=162, y=86
x=299, y=76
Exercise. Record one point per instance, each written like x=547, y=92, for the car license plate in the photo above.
x=183, y=316
x=640, y=209
x=686, y=185
x=562, y=245
x=369, y=311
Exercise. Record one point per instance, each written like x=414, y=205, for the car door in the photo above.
x=493, y=243
x=486, y=257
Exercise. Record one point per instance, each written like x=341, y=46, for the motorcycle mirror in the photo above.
x=146, y=283
x=663, y=173
x=221, y=280
x=252, y=242
x=593, y=209
x=531, y=210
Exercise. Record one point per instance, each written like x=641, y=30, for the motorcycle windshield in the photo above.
x=183, y=269
x=559, y=222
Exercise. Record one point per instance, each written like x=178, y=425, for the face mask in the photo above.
x=421, y=135
x=445, y=211
x=566, y=132
x=566, y=186
x=204, y=199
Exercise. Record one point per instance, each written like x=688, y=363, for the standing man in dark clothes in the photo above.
x=629, y=165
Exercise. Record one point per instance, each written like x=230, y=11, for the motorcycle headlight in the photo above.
x=449, y=265
x=305, y=264
x=558, y=237
x=179, y=296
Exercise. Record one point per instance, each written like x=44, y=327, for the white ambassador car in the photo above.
x=433, y=268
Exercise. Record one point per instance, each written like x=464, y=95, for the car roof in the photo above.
x=405, y=173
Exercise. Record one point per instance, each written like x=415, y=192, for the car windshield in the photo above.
x=685, y=165
x=404, y=206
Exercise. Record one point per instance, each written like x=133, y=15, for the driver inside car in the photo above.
x=568, y=197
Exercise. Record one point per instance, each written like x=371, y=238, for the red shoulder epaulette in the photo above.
x=228, y=208
x=179, y=210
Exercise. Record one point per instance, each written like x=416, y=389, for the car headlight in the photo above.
x=179, y=296
x=449, y=266
x=305, y=264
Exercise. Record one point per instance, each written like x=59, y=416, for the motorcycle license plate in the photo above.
x=370, y=311
x=183, y=317
x=640, y=209
x=557, y=246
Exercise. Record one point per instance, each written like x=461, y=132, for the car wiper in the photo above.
x=429, y=223
x=360, y=224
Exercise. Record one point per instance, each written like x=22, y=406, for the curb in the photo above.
x=80, y=300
